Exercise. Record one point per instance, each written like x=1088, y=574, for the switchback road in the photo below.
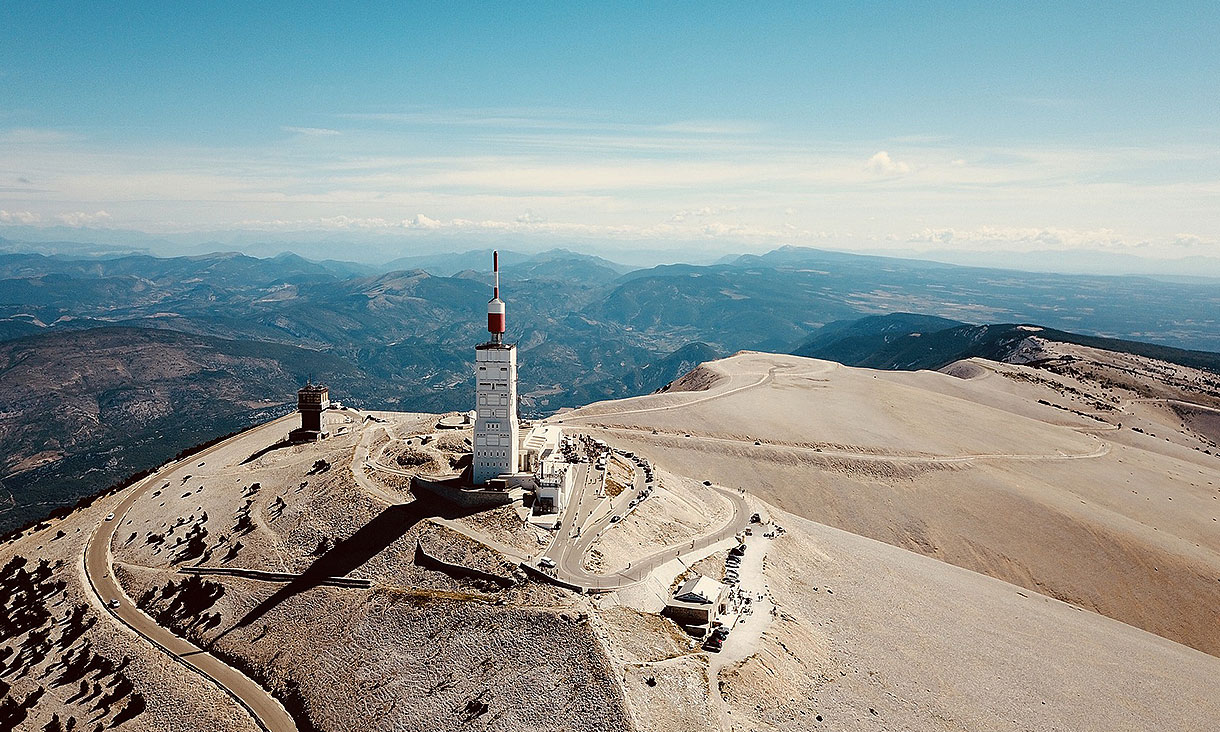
x=268, y=713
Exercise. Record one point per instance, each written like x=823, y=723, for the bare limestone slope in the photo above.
x=1085, y=553
x=418, y=649
x=77, y=661
x=1015, y=474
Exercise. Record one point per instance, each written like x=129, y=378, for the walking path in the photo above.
x=1102, y=450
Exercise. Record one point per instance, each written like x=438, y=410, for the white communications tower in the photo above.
x=495, y=427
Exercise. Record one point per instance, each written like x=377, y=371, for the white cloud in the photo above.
x=883, y=164
x=351, y=222
x=1192, y=241
x=312, y=131
x=35, y=136
x=421, y=222
x=701, y=212
x=19, y=217
x=1028, y=239
x=83, y=218
x=583, y=176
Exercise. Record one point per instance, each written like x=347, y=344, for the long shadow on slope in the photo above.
x=351, y=553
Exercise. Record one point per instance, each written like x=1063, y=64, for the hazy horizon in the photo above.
x=387, y=249
x=949, y=130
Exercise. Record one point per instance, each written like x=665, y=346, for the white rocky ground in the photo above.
x=175, y=698
x=883, y=481
x=420, y=649
x=975, y=472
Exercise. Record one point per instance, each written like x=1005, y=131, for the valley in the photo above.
x=80, y=410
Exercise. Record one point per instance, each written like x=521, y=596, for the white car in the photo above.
x=110, y=517
x=547, y=562
x=113, y=603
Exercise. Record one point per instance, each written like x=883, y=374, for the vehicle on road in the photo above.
x=110, y=516
x=707, y=482
x=114, y=603
x=713, y=644
x=547, y=562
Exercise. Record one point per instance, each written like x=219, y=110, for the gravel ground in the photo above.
x=422, y=649
x=176, y=698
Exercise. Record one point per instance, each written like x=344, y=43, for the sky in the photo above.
x=1018, y=127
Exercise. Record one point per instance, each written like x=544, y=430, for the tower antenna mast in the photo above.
x=495, y=307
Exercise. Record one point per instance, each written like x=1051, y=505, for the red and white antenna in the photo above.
x=495, y=308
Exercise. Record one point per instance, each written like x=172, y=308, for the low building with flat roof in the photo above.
x=698, y=603
x=542, y=455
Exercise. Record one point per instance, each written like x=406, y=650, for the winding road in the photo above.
x=762, y=381
x=570, y=546
x=267, y=712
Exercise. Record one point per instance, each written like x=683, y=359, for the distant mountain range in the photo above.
x=909, y=342
x=243, y=330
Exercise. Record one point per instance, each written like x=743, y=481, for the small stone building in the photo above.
x=698, y=603
x=312, y=401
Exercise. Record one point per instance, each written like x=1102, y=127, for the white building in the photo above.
x=698, y=603
x=496, y=449
x=541, y=454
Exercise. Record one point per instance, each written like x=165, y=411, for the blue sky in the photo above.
x=849, y=125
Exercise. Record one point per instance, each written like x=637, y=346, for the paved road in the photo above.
x=568, y=550
x=268, y=713
x=763, y=380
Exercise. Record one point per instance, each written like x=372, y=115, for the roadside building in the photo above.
x=698, y=604
x=542, y=455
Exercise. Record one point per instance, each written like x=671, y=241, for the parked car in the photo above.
x=547, y=562
x=113, y=603
x=713, y=644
